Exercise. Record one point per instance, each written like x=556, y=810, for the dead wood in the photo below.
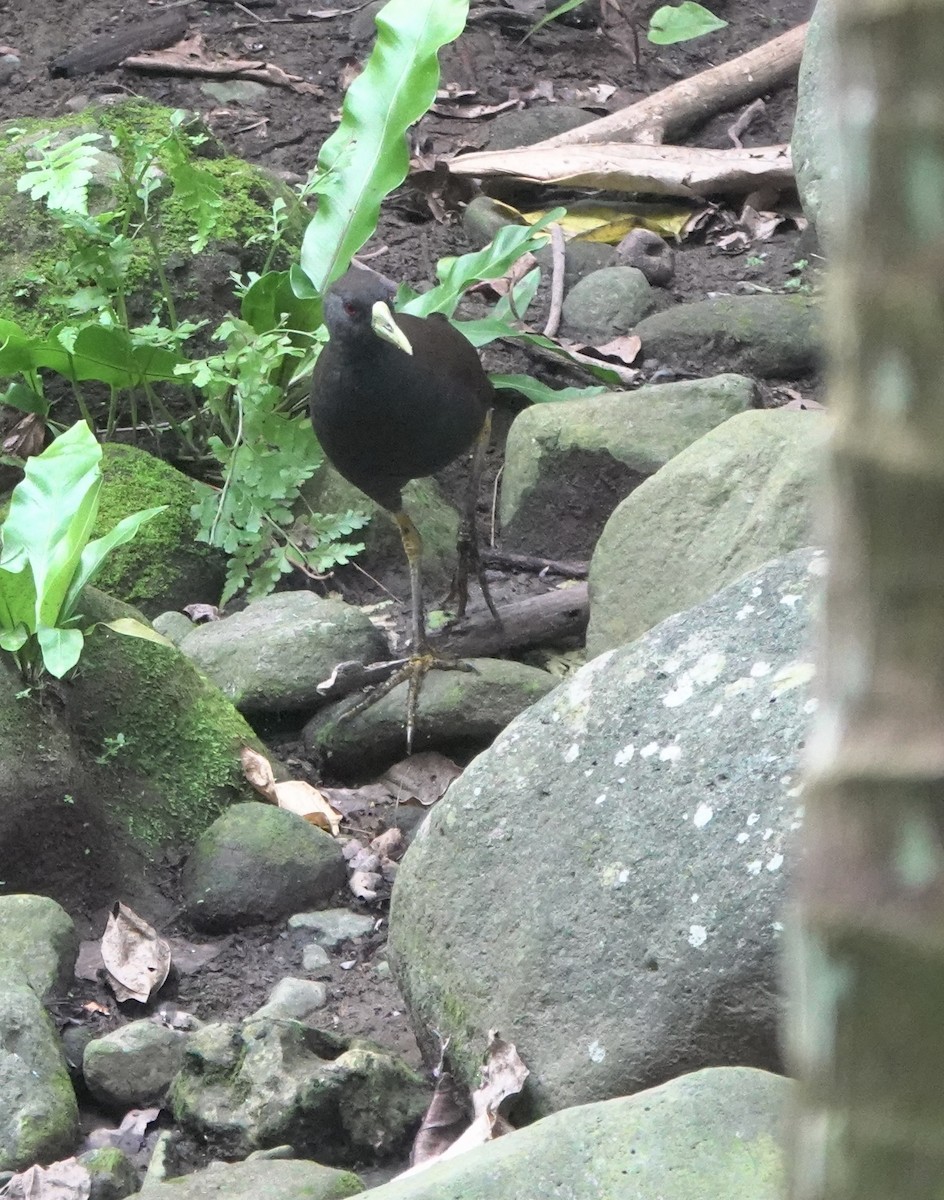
x=676, y=109
x=540, y=620
x=568, y=568
x=106, y=52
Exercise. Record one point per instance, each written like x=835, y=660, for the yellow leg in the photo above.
x=413, y=545
x=468, y=544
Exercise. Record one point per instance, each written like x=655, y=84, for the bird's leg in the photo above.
x=468, y=542
x=423, y=658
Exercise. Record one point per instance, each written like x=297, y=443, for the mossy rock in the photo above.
x=164, y=566
x=165, y=740
x=34, y=243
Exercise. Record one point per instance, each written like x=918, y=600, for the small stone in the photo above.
x=333, y=926
x=315, y=960
x=293, y=999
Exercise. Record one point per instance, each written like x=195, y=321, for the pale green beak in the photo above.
x=385, y=326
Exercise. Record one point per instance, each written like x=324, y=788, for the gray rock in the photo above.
x=815, y=142
x=271, y=1179
x=525, y=126
x=332, y=926
x=483, y=217
x=711, y=1135
x=459, y=712
x=132, y=1067
x=315, y=960
x=266, y=1083
x=294, y=999
x=605, y=304
x=173, y=625
x=605, y=885
x=271, y=656
x=568, y=465
x=768, y=335
x=93, y=788
x=580, y=259
x=257, y=863
x=38, y=944
x=739, y=496
x=651, y=254
x=112, y=1173
x=39, y=1117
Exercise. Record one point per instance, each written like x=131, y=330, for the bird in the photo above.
x=395, y=397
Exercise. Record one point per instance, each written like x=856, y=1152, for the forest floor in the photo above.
x=282, y=130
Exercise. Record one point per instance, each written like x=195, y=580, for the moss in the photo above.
x=178, y=768
x=163, y=566
x=34, y=242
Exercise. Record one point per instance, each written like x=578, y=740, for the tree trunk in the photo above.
x=866, y=1030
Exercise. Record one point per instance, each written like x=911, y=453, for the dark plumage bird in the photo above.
x=395, y=397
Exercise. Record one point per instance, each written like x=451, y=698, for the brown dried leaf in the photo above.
x=258, y=772
x=421, y=777
x=66, y=1180
x=299, y=797
x=136, y=958
x=445, y=1119
x=189, y=57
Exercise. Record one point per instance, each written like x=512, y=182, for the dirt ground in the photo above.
x=282, y=131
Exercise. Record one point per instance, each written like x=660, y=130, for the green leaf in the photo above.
x=23, y=398
x=61, y=648
x=129, y=627
x=681, y=23
x=566, y=7
x=52, y=512
x=458, y=274
x=108, y=354
x=271, y=298
x=62, y=173
x=367, y=155
x=95, y=553
x=539, y=393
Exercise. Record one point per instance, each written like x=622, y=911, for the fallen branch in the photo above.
x=687, y=171
x=676, y=109
x=540, y=620
x=189, y=58
x=151, y=33
x=568, y=568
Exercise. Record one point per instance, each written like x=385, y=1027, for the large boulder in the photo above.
x=568, y=465
x=271, y=656
x=605, y=884
x=139, y=753
x=815, y=141
x=712, y=1135
x=740, y=495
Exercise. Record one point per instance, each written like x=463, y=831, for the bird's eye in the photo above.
x=350, y=308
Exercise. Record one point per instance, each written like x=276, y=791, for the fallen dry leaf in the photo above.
x=297, y=796
x=442, y=1123
x=136, y=958
x=189, y=57
x=423, y=778
x=258, y=772
x=66, y=1180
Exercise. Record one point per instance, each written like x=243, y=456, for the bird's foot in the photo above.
x=413, y=672
x=469, y=564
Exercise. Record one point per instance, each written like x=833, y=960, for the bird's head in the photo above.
x=357, y=306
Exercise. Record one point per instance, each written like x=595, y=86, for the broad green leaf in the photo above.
x=17, y=598
x=270, y=297
x=129, y=627
x=61, y=648
x=24, y=399
x=14, y=639
x=458, y=274
x=681, y=23
x=108, y=354
x=367, y=155
x=95, y=553
x=539, y=393
x=52, y=512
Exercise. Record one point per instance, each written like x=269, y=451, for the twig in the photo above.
x=558, y=261
x=567, y=569
x=744, y=121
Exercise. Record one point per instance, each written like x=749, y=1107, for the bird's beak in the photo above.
x=383, y=324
